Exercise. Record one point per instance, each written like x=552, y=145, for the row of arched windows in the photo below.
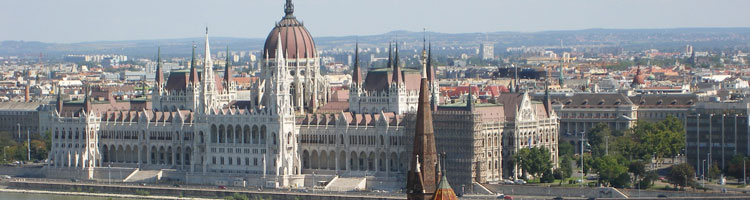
x=239, y=135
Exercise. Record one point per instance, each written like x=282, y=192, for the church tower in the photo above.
x=355, y=88
x=421, y=180
x=209, y=95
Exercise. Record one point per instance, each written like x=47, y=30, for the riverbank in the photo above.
x=102, y=195
x=158, y=191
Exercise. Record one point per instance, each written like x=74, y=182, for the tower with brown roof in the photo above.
x=424, y=156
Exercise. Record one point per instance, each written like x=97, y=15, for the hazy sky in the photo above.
x=93, y=20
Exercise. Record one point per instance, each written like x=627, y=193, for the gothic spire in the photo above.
x=207, y=62
x=159, y=74
x=228, y=70
x=424, y=150
x=86, y=101
x=356, y=73
x=430, y=69
x=390, y=50
x=59, y=100
x=193, y=72
x=396, y=69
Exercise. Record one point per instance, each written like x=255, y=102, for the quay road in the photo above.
x=213, y=189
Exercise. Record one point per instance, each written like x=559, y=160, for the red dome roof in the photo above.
x=295, y=39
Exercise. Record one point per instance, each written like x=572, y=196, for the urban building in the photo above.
x=715, y=132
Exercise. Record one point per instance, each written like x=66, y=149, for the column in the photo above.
x=138, y=150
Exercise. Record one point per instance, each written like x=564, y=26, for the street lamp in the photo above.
x=703, y=173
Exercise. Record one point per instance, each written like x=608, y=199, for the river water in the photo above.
x=29, y=196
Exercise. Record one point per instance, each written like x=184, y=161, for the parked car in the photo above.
x=5, y=177
x=520, y=181
x=508, y=182
x=506, y=197
x=558, y=198
x=222, y=187
x=176, y=185
x=500, y=196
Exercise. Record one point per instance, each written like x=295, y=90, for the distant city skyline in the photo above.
x=88, y=20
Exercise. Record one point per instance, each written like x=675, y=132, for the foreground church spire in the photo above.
x=425, y=157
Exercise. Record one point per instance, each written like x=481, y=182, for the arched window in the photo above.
x=213, y=134
x=273, y=137
x=289, y=138
x=263, y=134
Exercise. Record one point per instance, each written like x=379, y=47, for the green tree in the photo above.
x=547, y=176
x=736, y=165
x=681, y=175
x=714, y=171
x=638, y=168
x=565, y=148
x=609, y=169
x=622, y=181
x=565, y=170
x=597, y=137
x=534, y=161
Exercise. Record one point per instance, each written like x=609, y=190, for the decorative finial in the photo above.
x=289, y=8
x=206, y=30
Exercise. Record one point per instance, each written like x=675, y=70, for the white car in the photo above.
x=508, y=182
x=5, y=177
x=520, y=181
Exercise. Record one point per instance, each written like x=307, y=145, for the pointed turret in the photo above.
x=444, y=190
x=87, y=101
x=416, y=191
x=397, y=69
x=356, y=72
x=470, y=100
x=59, y=100
x=193, y=72
x=228, y=70
x=390, y=50
x=430, y=69
x=424, y=149
x=159, y=78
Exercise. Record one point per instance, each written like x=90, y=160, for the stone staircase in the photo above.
x=144, y=176
x=344, y=184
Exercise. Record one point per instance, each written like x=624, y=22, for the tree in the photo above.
x=565, y=149
x=534, y=161
x=638, y=168
x=547, y=177
x=714, y=171
x=597, y=137
x=622, y=181
x=565, y=170
x=609, y=169
x=681, y=175
x=736, y=165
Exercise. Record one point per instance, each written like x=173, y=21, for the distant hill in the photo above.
x=665, y=39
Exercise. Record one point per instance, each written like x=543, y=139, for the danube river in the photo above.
x=30, y=196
